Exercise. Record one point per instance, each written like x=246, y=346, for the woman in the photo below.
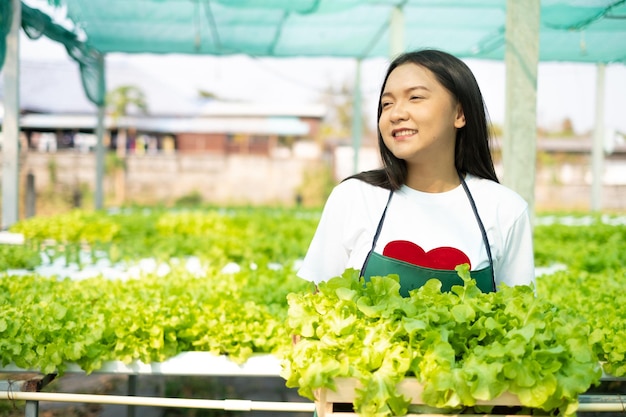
x=436, y=202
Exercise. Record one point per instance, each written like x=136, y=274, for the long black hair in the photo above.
x=472, y=150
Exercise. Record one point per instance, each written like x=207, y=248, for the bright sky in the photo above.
x=564, y=90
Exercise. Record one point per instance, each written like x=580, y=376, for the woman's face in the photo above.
x=419, y=117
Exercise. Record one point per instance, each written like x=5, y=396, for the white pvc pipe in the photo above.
x=233, y=405
x=604, y=407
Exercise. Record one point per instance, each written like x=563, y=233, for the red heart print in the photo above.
x=445, y=257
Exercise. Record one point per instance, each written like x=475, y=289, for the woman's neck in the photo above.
x=432, y=180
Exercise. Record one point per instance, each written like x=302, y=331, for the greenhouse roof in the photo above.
x=570, y=30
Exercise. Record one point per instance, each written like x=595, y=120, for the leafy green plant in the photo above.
x=463, y=346
x=593, y=246
x=47, y=323
x=601, y=300
x=18, y=257
x=461, y=338
x=232, y=235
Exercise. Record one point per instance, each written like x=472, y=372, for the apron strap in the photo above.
x=482, y=229
x=479, y=221
x=378, y=229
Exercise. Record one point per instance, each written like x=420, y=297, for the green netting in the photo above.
x=36, y=24
x=571, y=30
x=6, y=11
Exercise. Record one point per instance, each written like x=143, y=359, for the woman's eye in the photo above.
x=385, y=104
x=416, y=97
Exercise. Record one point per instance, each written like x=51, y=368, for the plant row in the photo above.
x=559, y=333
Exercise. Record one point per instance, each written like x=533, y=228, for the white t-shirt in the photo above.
x=346, y=229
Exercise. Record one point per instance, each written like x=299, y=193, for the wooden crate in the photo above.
x=328, y=401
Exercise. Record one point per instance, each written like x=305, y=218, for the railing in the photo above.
x=25, y=385
x=19, y=384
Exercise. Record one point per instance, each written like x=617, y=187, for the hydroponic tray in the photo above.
x=185, y=363
x=330, y=401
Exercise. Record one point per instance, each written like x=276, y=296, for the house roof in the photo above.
x=187, y=124
x=54, y=87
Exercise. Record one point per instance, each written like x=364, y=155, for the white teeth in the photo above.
x=404, y=133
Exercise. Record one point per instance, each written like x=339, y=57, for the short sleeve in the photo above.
x=327, y=255
x=517, y=266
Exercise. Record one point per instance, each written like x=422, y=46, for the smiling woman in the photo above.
x=436, y=203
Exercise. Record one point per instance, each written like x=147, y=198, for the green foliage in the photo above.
x=233, y=235
x=317, y=183
x=124, y=98
x=47, y=323
x=18, y=257
x=594, y=246
x=193, y=199
x=53, y=171
x=464, y=346
x=601, y=300
x=113, y=162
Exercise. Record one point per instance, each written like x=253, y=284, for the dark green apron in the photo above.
x=414, y=276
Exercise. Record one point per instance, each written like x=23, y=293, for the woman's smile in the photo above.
x=401, y=134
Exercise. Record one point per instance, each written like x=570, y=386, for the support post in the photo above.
x=31, y=196
x=396, y=32
x=31, y=408
x=132, y=392
x=357, y=118
x=100, y=160
x=100, y=151
x=597, y=152
x=520, y=123
x=11, y=122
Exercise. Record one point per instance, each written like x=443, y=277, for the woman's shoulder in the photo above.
x=354, y=188
x=495, y=193
x=354, y=195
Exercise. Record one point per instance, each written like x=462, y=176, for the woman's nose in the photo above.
x=398, y=112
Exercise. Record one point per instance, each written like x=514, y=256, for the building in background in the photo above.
x=53, y=103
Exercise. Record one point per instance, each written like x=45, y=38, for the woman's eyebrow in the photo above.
x=407, y=90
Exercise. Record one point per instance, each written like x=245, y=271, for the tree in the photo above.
x=338, y=122
x=567, y=127
x=120, y=101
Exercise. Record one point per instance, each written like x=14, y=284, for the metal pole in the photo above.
x=396, y=32
x=31, y=409
x=597, y=152
x=100, y=160
x=132, y=391
x=357, y=118
x=11, y=122
x=520, y=123
x=100, y=151
x=31, y=196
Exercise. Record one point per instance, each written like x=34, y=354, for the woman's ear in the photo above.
x=459, y=120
